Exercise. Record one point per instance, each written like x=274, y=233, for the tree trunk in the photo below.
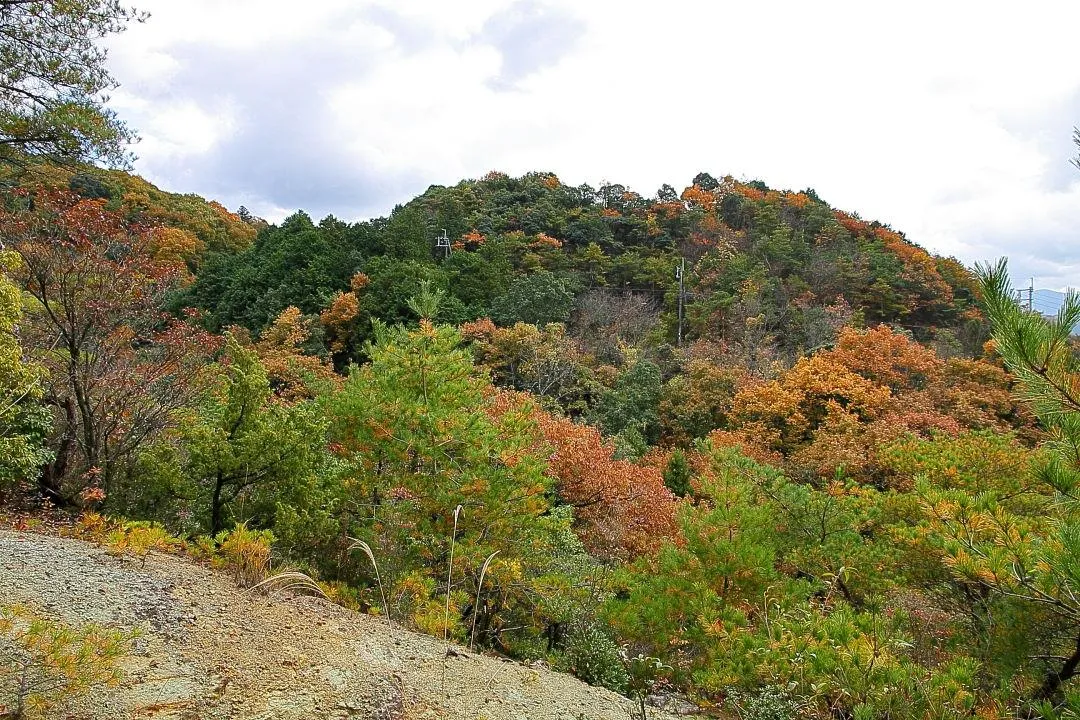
x=51, y=480
x=86, y=411
x=1052, y=684
x=216, y=521
x=554, y=633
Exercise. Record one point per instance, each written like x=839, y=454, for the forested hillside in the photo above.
x=726, y=443
x=825, y=500
x=767, y=270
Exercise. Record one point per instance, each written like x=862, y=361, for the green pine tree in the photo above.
x=1021, y=550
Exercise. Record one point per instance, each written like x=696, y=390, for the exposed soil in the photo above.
x=209, y=650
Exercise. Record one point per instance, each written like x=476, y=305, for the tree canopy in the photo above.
x=54, y=80
x=826, y=502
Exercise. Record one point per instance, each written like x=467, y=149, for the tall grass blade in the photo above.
x=286, y=581
x=476, y=605
x=449, y=575
x=371, y=556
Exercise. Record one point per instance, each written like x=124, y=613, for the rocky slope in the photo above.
x=209, y=650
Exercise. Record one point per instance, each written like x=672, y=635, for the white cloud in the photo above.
x=950, y=121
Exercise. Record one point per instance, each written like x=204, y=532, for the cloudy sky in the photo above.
x=951, y=121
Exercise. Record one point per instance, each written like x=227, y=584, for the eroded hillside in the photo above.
x=208, y=650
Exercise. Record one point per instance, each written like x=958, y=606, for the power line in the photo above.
x=628, y=288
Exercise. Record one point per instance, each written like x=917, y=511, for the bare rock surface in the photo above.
x=208, y=650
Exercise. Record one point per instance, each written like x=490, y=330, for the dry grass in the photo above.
x=290, y=582
x=246, y=553
x=476, y=605
x=449, y=577
x=382, y=592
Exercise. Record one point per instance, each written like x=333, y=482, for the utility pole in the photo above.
x=443, y=243
x=1025, y=297
x=679, y=273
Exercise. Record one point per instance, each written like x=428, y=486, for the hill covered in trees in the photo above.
x=572, y=293
x=729, y=441
x=821, y=497
x=777, y=261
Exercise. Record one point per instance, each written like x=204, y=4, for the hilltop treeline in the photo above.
x=765, y=267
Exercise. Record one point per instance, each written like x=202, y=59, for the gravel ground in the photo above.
x=211, y=651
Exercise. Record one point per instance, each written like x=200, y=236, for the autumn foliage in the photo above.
x=623, y=509
x=339, y=321
x=117, y=365
x=727, y=440
x=832, y=411
x=293, y=374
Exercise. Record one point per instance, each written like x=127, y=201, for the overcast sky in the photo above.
x=951, y=121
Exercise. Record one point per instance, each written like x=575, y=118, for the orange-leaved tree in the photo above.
x=833, y=411
x=621, y=509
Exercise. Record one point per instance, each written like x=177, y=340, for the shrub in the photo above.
x=44, y=663
x=768, y=703
x=645, y=676
x=342, y=594
x=245, y=553
x=92, y=526
x=594, y=657
x=138, y=539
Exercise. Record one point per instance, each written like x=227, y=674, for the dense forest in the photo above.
x=817, y=496
x=730, y=441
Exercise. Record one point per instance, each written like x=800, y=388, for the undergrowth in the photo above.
x=242, y=552
x=45, y=663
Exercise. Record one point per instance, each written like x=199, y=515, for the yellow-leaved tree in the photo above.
x=23, y=421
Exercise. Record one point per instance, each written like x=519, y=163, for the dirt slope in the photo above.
x=210, y=651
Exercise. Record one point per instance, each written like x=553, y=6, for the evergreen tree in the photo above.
x=536, y=299
x=238, y=444
x=677, y=474
x=54, y=76
x=1022, y=549
x=416, y=431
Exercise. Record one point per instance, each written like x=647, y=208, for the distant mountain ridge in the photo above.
x=1046, y=302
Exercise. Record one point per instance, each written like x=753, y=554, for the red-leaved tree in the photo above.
x=118, y=365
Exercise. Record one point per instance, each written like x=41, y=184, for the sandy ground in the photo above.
x=209, y=650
